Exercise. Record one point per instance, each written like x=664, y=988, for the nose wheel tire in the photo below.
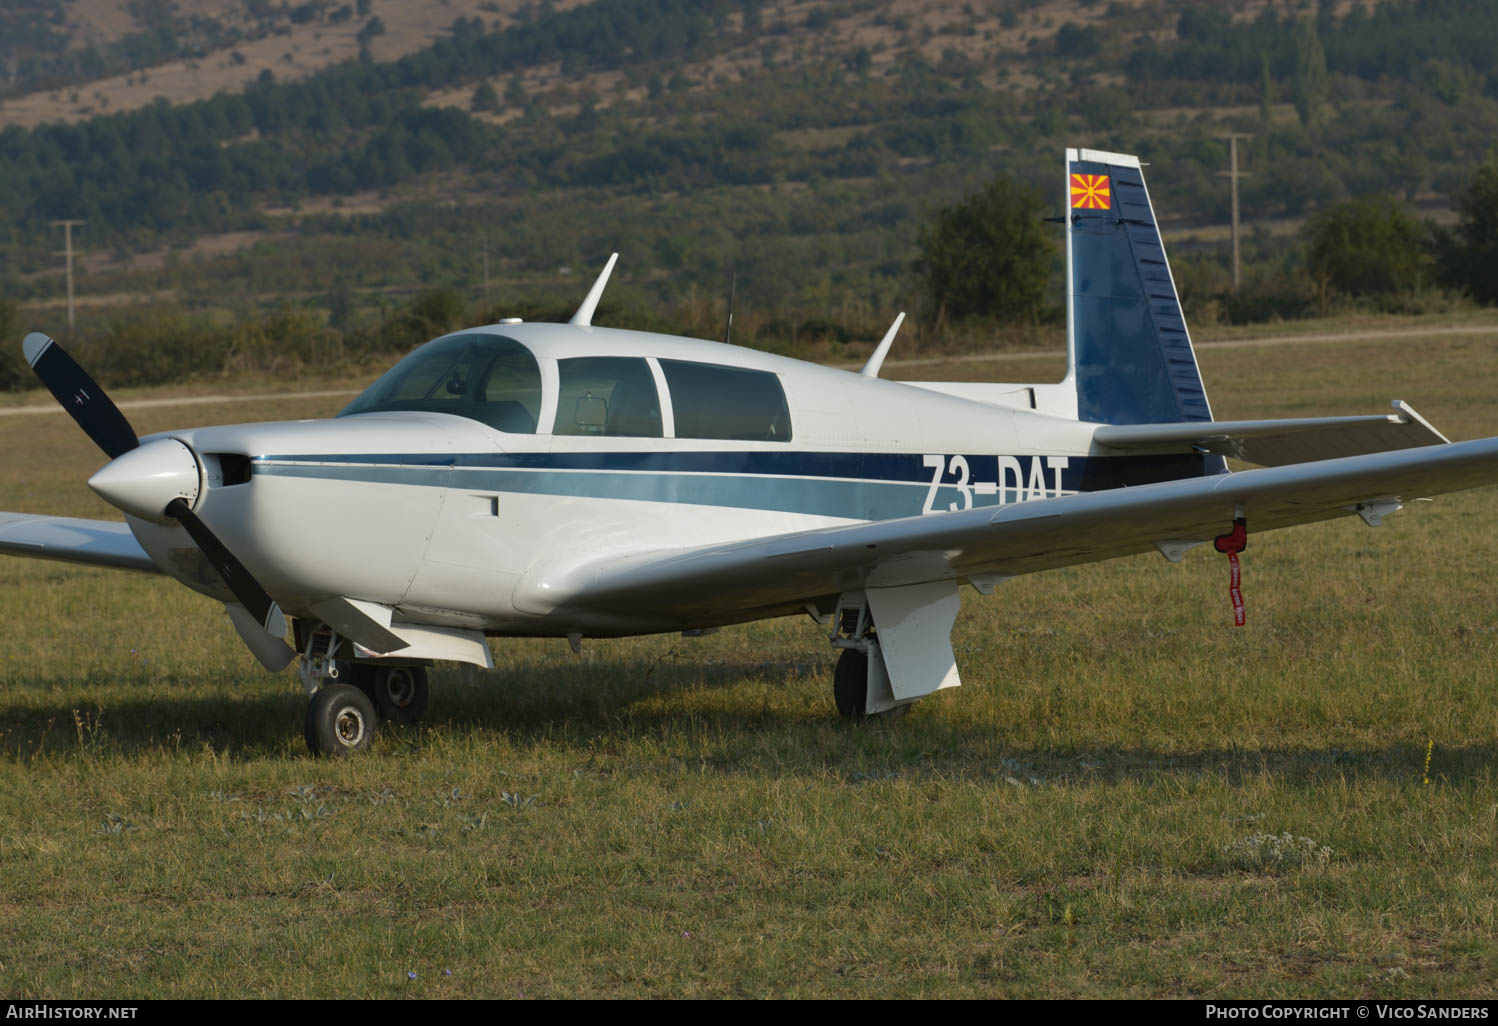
x=340, y=720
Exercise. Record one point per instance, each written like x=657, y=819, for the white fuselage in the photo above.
x=451, y=522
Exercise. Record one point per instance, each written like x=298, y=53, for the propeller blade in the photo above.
x=239, y=580
x=80, y=395
x=273, y=652
x=102, y=421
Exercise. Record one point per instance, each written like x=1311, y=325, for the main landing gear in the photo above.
x=860, y=682
x=347, y=699
x=399, y=693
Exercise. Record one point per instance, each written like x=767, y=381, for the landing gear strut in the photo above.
x=347, y=699
x=860, y=682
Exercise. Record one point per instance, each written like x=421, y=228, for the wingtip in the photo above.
x=34, y=345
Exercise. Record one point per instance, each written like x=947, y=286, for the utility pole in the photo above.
x=486, y=266
x=1234, y=174
x=67, y=242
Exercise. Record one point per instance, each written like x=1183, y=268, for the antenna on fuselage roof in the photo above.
x=733, y=284
x=871, y=369
x=584, y=316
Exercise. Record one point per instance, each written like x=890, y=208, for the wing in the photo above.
x=779, y=574
x=71, y=540
x=1278, y=443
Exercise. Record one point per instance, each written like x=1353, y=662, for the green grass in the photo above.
x=686, y=817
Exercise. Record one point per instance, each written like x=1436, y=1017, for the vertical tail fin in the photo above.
x=1128, y=352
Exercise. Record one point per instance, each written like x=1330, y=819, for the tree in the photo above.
x=1310, y=73
x=1266, y=92
x=988, y=256
x=515, y=92
x=1366, y=247
x=1469, y=254
x=14, y=374
x=484, y=97
x=1078, y=41
x=372, y=28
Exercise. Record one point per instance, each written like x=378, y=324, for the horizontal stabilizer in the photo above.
x=1277, y=443
x=73, y=540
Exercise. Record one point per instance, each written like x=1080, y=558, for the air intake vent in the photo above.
x=236, y=468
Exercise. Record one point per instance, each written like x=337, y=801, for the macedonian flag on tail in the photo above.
x=1090, y=192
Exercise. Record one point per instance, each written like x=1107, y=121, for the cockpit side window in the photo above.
x=486, y=378
x=607, y=395
x=713, y=401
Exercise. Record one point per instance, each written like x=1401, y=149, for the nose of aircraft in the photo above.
x=144, y=480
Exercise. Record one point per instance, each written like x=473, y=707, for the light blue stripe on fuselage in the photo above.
x=844, y=498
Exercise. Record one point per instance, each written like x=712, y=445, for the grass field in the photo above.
x=1100, y=810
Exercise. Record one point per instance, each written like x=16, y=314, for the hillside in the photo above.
x=800, y=144
x=189, y=50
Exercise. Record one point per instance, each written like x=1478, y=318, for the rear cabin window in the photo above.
x=712, y=401
x=607, y=395
x=486, y=378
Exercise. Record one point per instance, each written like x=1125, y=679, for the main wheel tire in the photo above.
x=850, y=689
x=850, y=684
x=400, y=692
x=340, y=720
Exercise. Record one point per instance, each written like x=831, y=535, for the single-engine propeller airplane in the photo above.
x=575, y=481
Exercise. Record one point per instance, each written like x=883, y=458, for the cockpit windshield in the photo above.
x=487, y=378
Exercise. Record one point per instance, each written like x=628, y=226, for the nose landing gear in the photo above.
x=347, y=699
x=340, y=721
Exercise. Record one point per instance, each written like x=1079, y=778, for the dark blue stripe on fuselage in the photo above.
x=1081, y=473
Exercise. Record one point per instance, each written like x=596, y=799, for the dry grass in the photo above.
x=1069, y=823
